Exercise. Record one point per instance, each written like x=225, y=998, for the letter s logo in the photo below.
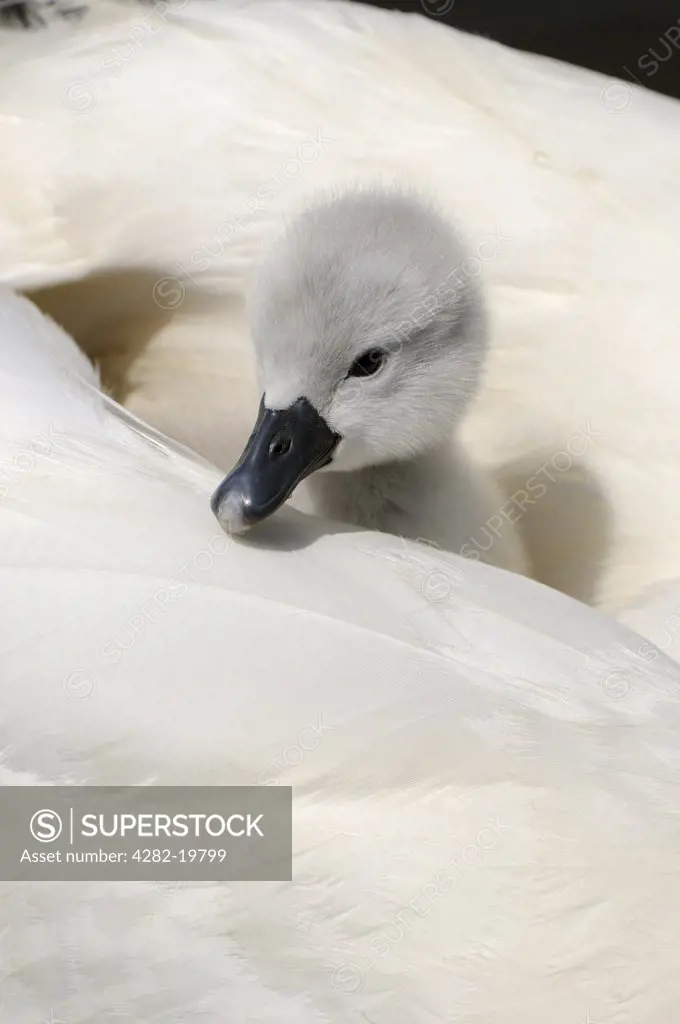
x=45, y=826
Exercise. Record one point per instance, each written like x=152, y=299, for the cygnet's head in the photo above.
x=370, y=339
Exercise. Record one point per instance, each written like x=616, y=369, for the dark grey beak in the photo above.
x=286, y=445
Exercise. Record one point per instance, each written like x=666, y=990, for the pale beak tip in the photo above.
x=229, y=511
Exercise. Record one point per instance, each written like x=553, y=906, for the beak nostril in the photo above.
x=279, y=445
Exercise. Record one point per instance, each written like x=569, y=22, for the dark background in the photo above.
x=623, y=38
x=607, y=35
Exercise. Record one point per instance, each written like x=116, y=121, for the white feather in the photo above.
x=485, y=813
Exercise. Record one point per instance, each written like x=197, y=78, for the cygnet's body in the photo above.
x=370, y=342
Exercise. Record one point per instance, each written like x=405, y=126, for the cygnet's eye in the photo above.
x=368, y=364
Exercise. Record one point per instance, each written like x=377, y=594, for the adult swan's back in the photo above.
x=485, y=772
x=565, y=184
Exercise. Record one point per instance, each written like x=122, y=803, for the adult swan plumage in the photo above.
x=485, y=771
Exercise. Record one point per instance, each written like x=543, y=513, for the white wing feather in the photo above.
x=485, y=772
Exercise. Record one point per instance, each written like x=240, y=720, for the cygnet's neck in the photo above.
x=437, y=496
x=374, y=497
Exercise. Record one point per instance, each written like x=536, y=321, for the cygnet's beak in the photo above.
x=286, y=445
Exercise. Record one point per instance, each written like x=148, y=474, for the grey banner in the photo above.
x=145, y=833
